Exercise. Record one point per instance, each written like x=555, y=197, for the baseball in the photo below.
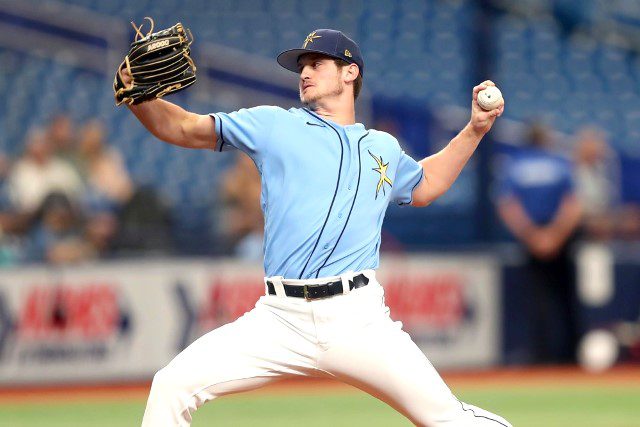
x=489, y=98
x=598, y=351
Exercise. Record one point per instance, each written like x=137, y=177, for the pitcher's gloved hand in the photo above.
x=157, y=64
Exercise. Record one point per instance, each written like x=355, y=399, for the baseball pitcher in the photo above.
x=326, y=184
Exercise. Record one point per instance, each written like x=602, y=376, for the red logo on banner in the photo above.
x=433, y=301
x=228, y=300
x=87, y=312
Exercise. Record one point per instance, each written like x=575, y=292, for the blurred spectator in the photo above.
x=628, y=221
x=5, y=203
x=108, y=183
x=61, y=135
x=100, y=231
x=597, y=182
x=597, y=175
x=144, y=225
x=5, y=165
x=57, y=236
x=538, y=204
x=243, y=220
x=9, y=221
x=37, y=173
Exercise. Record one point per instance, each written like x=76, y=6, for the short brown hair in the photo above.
x=357, y=83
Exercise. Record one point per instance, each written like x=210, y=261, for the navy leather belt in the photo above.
x=319, y=291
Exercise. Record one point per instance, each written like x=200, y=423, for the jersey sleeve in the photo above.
x=409, y=175
x=247, y=129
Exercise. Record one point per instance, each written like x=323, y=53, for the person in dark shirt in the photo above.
x=538, y=205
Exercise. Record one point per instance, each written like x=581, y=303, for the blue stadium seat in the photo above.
x=572, y=81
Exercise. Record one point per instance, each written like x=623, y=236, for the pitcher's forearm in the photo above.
x=444, y=167
x=173, y=124
x=163, y=119
x=457, y=153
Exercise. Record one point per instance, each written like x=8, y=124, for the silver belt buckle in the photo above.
x=305, y=292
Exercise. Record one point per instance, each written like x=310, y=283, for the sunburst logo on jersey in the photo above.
x=309, y=39
x=382, y=170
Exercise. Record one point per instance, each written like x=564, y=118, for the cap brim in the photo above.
x=289, y=58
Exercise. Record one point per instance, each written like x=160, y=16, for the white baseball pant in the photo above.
x=348, y=337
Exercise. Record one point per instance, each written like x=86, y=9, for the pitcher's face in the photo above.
x=320, y=77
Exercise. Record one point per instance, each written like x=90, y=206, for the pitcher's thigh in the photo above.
x=386, y=363
x=228, y=353
x=239, y=356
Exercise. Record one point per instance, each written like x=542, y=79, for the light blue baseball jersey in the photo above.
x=325, y=187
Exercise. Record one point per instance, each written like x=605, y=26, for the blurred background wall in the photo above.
x=83, y=185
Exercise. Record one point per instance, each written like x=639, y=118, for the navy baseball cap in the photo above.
x=327, y=42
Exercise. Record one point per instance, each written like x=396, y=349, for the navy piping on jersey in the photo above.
x=480, y=416
x=334, y=193
x=414, y=187
x=222, y=141
x=315, y=124
x=350, y=210
x=215, y=136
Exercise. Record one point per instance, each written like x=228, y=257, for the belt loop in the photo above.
x=277, y=285
x=345, y=281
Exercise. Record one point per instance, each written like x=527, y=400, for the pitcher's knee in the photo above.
x=170, y=402
x=168, y=384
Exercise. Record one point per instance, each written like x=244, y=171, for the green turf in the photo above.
x=548, y=407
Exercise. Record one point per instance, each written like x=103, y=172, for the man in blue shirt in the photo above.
x=326, y=184
x=538, y=205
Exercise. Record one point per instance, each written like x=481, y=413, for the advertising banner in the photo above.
x=450, y=305
x=125, y=320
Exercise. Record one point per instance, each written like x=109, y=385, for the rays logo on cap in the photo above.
x=331, y=43
x=309, y=39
